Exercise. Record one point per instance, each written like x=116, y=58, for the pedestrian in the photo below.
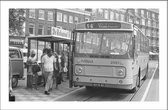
x=10, y=75
x=48, y=65
x=63, y=60
x=32, y=62
x=66, y=64
x=43, y=73
x=56, y=71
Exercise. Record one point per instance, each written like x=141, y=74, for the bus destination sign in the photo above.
x=103, y=25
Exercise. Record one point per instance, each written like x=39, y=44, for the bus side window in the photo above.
x=142, y=43
x=137, y=44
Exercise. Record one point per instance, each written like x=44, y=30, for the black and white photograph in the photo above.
x=84, y=55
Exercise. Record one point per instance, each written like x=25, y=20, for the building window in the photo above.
x=122, y=17
x=100, y=10
x=153, y=15
x=142, y=12
x=49, y=31
x=32, y=13
x=86, y=19
x=76, y=20
x=41, y=14
x=70, y=19
x=157, y=33
x=137, y=21
x=143, y=30
x=154, y=33
x=111, y=15
x=41, y=30
x=50, y=16
x=117, y=16
x=149, y=23
x=59, y=16
x=106, y=14
x=154, y=24
x=65, y=19
x=143, y=21
x=31, y=29
x=148, y=32
x=148, y=14
x=136, y=11
x=157, y=25
x=130, y=19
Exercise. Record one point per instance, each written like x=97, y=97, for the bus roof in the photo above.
x=104, y=30
x=104, y=21
x=10, y=47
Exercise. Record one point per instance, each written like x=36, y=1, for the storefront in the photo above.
x=17, y=41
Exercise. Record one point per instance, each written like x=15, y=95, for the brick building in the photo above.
x=40, y=21
x=109, y=14
x=148, y=21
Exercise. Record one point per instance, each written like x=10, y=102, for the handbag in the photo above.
x=36, y=68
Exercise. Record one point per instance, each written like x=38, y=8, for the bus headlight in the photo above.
x=78, y=70
x=120, y=72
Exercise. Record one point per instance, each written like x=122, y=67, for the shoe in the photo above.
x=47, y=93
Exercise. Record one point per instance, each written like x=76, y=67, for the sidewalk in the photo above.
x=26, y=94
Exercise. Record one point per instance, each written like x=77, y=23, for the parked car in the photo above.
x=16, y=65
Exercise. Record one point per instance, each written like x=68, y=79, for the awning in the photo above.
x=50, y=38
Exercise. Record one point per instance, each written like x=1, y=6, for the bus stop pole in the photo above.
x=29, y=75
x=52, y=46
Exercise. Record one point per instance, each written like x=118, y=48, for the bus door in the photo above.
x=70, y=66
x=71, y=59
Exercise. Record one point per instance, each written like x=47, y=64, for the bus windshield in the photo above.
x=104, y=43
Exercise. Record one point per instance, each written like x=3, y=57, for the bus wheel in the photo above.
x=146, y=74
x=137, y=84
x=138, y=81
x=14, y=81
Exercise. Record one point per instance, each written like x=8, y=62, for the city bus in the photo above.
x=111, y=54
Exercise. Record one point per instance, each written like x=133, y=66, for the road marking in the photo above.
x=147, y=89
x=67, y=94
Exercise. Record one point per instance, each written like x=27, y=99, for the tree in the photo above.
x=16, y=21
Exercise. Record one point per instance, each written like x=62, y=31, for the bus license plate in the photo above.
x=98, y=85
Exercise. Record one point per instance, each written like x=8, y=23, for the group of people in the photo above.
x=52, y=66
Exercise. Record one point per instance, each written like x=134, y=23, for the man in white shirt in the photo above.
x=48, y=65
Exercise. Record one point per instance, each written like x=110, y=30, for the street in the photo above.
x=149, y=91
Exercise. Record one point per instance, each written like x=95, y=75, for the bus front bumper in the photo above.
x=117, y=86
